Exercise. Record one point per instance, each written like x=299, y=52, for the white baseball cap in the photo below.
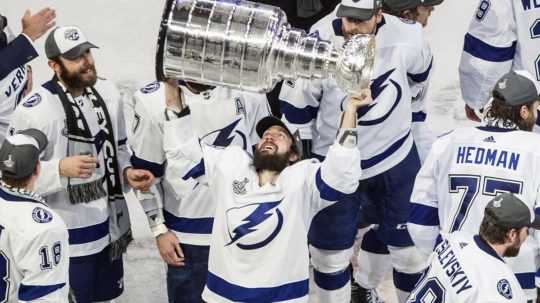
x=68, y=41
x=358, y=9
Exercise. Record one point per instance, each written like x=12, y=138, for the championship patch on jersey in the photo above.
x=150, y=88
x=32, y=101
x=41, y=215
x=504, y=289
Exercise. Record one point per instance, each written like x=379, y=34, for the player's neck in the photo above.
x=500, y=249
x=267, y=176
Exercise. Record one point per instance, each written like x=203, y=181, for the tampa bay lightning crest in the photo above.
x=504, y=289
x=255, y=225
x=226, y=136
x=32, y=101
x=41, y=215
x=381, y=85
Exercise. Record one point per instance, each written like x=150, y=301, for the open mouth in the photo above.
x=268, y=147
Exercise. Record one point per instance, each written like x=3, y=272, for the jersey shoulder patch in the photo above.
x=33, y=100
x=41, y=215
x=504, y=289
x=150, y=88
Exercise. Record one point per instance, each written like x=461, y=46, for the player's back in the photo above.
x=459, y=274
x=474, y=164
x=34, y=250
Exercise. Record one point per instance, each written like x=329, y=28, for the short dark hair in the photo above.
x=409, y=13
x=501, y=114
x=17, y=183
x=491, y=230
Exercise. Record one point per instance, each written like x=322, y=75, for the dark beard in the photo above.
x=275, y=162
x=75, y=80
x=513, y=250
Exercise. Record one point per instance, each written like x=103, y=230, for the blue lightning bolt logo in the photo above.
x=225, y=136
x=259, y=215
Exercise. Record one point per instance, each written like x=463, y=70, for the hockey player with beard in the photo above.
x=180, y=208
x=389, y=157
x=503, y=35
x=85, y=164
x=466, y=167
x=16, y=52
x=264, y=205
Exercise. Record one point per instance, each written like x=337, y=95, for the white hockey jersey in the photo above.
x=13, y=75
x=503, y=35
x=34, y=250
x=464, y=170
x=465, y=269
x=221, y=117
x=313, y=106
x=259, y=249
x=88, y=223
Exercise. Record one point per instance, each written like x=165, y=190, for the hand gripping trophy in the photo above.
x=250, y=46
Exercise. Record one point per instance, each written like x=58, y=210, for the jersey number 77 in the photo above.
x=469, y=186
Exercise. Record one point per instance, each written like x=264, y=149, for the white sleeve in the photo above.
x=423, y=223
x=420, y=64
x=146, y=143
x=43, y=259
x=337, y=175
x=185, y=163
x=299, y=103
x=488, y=50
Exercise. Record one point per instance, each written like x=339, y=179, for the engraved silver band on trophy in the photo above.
x=250, y=46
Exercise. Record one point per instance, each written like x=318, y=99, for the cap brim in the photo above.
x=267, y=122
x=355, y=12
x=78, y=50
x=432, y=3
x=38, y=136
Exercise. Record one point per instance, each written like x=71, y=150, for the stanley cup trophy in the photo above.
x=250, y=46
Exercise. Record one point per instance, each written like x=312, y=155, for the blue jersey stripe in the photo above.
x=297, y=115
x=196, y=171
x=33, y=292
x=424, y=215
x=327, y=192
x=89, y=233
x=419, y=116
x=421, y=77
x=188, y=225
x=157, y=169
x=526, y=280
x=239, y=293
x=484, y=51
x=365, y=164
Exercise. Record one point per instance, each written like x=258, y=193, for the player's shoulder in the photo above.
x=326, y=27
x=40, y=102
x=150, y=99
x=395, y=31
x=108, y=89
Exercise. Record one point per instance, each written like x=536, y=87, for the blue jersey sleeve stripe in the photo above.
x=421, y=77
x=406, y=282
x=298, y=115
x=89, y=233
x=237, y=293
x=332, y=281
x=33, y=292
x=188, y=225
x=419, y=116
x=484, y=51
x=526, y=280
x=327, y=192
x=424, y=215
x=196, y=171
x=158, y=170
x=367, y=163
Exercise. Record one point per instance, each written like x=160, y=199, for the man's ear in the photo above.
x=294, y=157
x=54, y=66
